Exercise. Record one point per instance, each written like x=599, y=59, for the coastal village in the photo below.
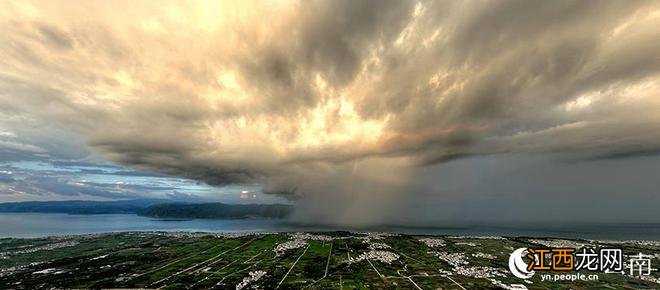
x=244, y=260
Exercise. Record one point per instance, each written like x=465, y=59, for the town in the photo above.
x=329, y=260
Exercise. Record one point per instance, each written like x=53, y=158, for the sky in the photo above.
x=360, y=112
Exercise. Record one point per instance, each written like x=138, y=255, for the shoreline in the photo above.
x=36, y=225
x=320, y=232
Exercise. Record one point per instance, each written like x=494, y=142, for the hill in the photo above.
x=81, y=206
x=216, y=211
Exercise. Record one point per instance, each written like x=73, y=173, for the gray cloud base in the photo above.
x=328, y=97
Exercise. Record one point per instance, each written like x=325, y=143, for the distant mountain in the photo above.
x=158, y=208
x=81, y=206
x=216, y=211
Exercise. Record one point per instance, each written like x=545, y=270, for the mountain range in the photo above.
x=157, y=208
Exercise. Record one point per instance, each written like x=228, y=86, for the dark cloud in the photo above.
x=42, y=179
x=630, y=153
x=6, y=179
x=55, y=37
x=325, y=91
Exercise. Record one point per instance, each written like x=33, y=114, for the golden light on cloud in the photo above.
x=282, y=92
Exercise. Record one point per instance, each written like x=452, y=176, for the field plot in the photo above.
x=334, y=260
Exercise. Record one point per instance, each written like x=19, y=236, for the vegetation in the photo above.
x=216, y=211
x=315, y=261
x=80, y=206
x=158, y=208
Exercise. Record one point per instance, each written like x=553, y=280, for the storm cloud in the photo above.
x=339, y=100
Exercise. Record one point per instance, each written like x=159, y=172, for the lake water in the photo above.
x=42, y=224
x=47, y=224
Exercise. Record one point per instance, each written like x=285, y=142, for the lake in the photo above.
x=47, y=224
x=54, y=224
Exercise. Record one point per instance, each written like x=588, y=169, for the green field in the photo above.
x=336, y=260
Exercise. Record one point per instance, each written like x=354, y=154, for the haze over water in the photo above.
x=41, y=225
x=362, y=112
